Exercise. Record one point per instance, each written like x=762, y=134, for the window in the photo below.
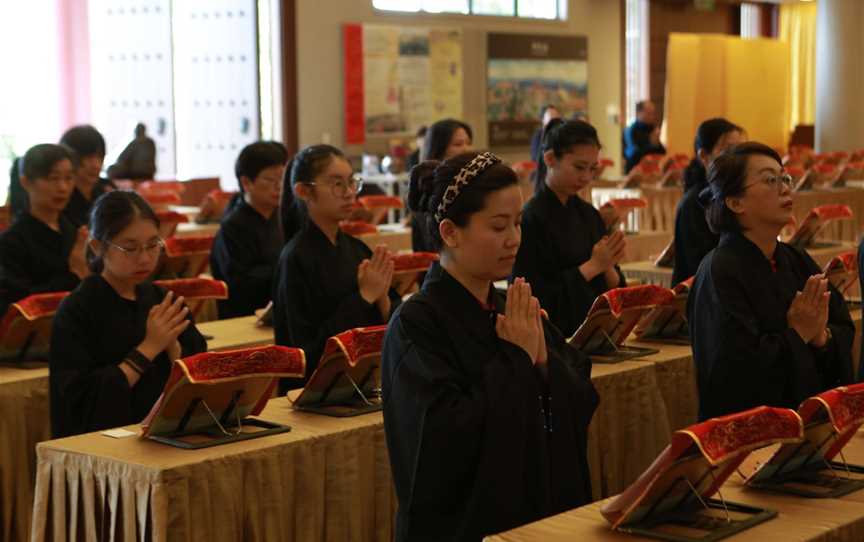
x=532, y=9
x=637, y=68
x=750, y=21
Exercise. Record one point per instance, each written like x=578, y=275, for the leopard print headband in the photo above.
x=475, y=167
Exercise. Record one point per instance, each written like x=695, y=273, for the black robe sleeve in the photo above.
x=467, y=454
x=85, y=392
x=564, y=293
x=89, y=392
x=16, y=280
x=739, y=366
x=693, y=239
x=295, y=294
x=235, y=256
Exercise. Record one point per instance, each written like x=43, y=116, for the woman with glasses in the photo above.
x=766, y=327
x=43, y=251
x=693, y=238
x=326, y=281
x=567, y=255
x=247, y=246
x=486, y=408
x=115, y=336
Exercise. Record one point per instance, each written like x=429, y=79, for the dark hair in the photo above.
x=303, y=168
x=84, y=140
x=640, y=105
x=258, y=156
x=709, y=133
x=39, y=160
x=438, y=138
x=111, y=214
x=560, y=136
x=421, y=132
x=726, y=177
x=429, y=181
x=547, y=107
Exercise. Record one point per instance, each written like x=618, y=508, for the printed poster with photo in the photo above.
x=526, y=72
x=400, y=78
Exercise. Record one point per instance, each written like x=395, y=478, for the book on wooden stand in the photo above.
x=25, y=329
x=806, y=232
x=612, y=318
x=195, y=291
x=809, y=468
x=672, y=500
x=347, y=380
x=185, y=257
x=667, y=322
x=408, y=267
x=209, y=397
x=842, y=273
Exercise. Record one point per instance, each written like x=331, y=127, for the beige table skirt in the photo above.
x=24, y=421
x=328, y=479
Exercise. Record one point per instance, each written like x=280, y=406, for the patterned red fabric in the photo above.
x=832, y=211
x=413, y=261
x=845, y=406
x=39, y=305
x=848, y=261
x=162, y=186
x=711, y=450
x=357, y=227
x=212, y=366
x=196, y=288
x=855, y=165
x=161, y=198
x=607, y=162
x=718, y=438
x=381, y=202
x=31, y=308
x=628, y=203
x=356, y=343
x=619, y=299
x=825, y=168
x=181, y=246
x=839, y=155
x=167, y=217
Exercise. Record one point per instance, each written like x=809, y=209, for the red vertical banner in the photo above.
x=355, y=121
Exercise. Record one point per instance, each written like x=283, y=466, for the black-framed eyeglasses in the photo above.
x=340, y=188
x=152, y=248
x=777, y=181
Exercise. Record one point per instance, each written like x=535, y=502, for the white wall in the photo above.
x=320, y=68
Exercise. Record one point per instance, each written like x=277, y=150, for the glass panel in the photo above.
x=540, y=9
x=131, y=81
x=216, y=86
x=445, y=6
x=397, y=5
x=494, y=7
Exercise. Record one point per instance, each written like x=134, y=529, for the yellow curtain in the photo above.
x=798, y=29
x=716, y=75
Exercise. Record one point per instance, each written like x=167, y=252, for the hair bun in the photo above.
x=421, y=186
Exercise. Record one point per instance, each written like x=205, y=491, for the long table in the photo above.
x=328, y=479
x=838, y=519
x=25, y=421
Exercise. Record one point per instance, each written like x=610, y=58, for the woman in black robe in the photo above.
x=247, y=246
x=486, y=408
x=327, y=281
x=765, y=326
x=42, y=251
x=444, y=139
x=693, y=239
x=115, y=336
x=567, y=255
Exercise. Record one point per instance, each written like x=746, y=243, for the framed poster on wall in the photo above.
x=399, y=78
x=526, y=72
